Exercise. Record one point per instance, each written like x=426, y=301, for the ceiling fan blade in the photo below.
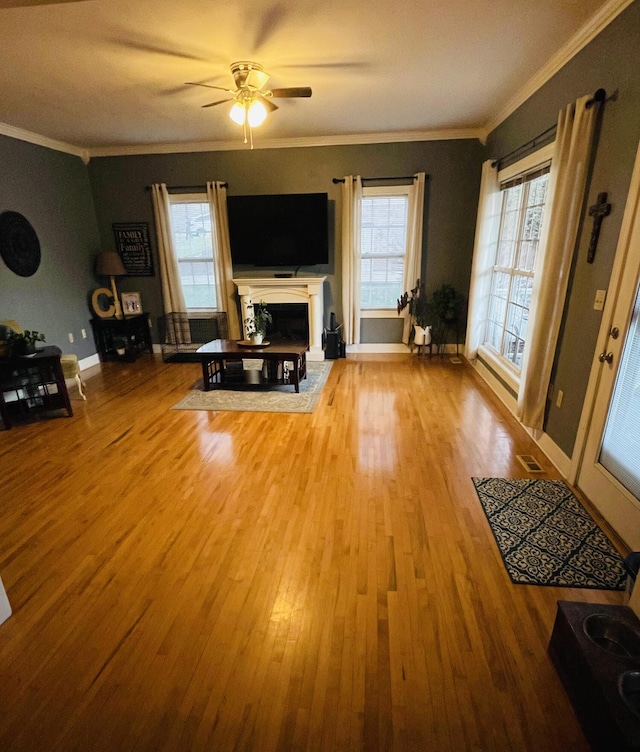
x=268, y=103
x=207, y=86
x=256, y=78
x=220, y=101
x=151, y=45
x=294, y=91
x=268, y=25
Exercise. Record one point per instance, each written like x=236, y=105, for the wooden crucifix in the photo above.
x=598, y=211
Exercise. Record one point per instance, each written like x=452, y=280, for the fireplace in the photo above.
x=290, y=322
x=296, y=291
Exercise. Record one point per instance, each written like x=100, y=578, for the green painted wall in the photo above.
x=119, y=188
x=611, y=61
x=52, y=191
x=72, y=207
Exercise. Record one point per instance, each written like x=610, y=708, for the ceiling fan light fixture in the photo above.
x=237, y=113
x=256, y=113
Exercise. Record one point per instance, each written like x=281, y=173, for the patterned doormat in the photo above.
x=546, y=536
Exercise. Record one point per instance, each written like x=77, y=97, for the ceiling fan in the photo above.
x=251, y=101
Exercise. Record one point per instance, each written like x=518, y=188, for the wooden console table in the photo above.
x=222, y=364
x=32, y=384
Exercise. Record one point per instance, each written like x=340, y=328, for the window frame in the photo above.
x=393, y=190
x=503, y=368
x=196, y=198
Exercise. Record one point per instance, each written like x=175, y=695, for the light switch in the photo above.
x=598, y=303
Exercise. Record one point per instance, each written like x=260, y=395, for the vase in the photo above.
x=23, y=348
x=256, y=338
x=422, y=335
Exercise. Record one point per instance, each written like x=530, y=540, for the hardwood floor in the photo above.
x=257, y=581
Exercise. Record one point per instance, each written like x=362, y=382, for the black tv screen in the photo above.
x=279, y=230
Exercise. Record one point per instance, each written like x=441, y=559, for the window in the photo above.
x=523, y=202
x=383, y=246
x=191, y=230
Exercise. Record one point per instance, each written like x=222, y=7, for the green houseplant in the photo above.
x=257, y=324
x=23, y=343
x=446, y=301
x=421, y=312
x=120, y=344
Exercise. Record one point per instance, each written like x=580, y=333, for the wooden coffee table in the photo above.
x=222, y=364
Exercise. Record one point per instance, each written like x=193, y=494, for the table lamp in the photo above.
x=109, y=264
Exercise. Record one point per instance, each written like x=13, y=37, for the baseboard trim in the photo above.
x=547, y=446
x=92, y=360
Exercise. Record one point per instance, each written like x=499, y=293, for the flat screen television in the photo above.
x=279, y=230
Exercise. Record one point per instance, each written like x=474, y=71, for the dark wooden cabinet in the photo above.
x=122, y=339
x=32, y=384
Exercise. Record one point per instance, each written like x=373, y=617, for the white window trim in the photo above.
x=503, y=368
x=190, y=198
x=393, y=190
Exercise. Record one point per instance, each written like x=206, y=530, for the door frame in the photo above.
x=629, y=231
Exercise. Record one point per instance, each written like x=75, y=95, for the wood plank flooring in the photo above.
x=257, y=581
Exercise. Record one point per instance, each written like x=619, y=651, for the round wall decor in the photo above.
x=102, y=303
x=19, y=244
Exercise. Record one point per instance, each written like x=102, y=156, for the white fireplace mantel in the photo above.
x=307, y=290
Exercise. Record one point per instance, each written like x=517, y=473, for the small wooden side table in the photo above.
x=32, y=383
x=134, y=330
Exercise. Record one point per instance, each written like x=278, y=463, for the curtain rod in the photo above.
x=399, y=177
x=599, y=96
x=187, y=188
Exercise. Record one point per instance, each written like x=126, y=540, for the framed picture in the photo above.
x=132, y=243
x=131, y=303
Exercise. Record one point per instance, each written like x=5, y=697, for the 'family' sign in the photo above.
x=132, y=243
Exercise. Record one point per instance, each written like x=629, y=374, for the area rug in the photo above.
x=546, y=536
x=274, y=399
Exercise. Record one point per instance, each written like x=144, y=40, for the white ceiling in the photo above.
x=106, y=75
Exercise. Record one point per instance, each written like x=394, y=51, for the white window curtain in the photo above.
x=225, y=288
x=484, y=254
x=351, y=199
x=175, y=309
x=569, y=170
x=413, y=258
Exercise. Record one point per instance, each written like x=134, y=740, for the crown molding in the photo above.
x=586, y=34
x=291, y=143
x=581, y=39
x=49, y=143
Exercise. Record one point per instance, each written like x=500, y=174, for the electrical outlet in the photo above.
x=598, y=303
x=70, y=337
x=559, y=398
x=84, y=333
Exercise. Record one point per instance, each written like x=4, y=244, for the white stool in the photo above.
x=71, y=370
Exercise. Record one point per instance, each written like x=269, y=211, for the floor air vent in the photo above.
x=530, y=463
x=456, y=359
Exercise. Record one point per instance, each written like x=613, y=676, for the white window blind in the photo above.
x=383, y=246
x=523, y=202
x=191, y=228
x=620, y=452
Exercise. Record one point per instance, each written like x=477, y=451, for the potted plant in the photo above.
x=256, y=325
x=23, y=343
x=420, y=310
x=120, y=344
x=446, y=309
